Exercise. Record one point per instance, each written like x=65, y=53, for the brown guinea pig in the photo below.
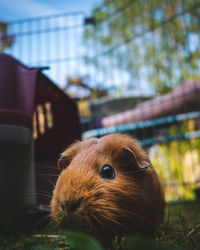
x=108, y=187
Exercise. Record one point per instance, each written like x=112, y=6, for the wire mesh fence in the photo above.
x=141, y=63
x=52, y=41
x=150, y=55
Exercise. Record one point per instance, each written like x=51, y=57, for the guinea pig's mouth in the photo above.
x=73, y=222
x=70, y=215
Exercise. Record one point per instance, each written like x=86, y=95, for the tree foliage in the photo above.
x=6, y=40
x=157, y=41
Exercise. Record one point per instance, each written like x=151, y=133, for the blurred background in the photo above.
x=130, y=66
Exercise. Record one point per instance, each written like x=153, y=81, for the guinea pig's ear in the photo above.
x=63, y=162
x=129, y=154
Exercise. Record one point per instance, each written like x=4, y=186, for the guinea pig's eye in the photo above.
x=107, y=172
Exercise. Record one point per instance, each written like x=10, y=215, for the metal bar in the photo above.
x=140, y=125
x=181, y=136
x=46, y=17
x=47, y=30
x=55, y=60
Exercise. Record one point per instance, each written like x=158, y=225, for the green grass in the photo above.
x=181, y=227
x=180, y=230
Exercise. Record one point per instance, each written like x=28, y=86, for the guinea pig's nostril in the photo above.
x=73, y=205
x=63, y=207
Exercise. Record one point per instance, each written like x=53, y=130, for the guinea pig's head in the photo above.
x=107, y=187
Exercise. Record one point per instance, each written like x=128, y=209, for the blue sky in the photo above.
x=17, y=9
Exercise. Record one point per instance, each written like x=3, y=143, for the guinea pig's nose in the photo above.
x=63, y=207
x=71, y=206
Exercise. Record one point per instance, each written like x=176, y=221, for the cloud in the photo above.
x=27, y=8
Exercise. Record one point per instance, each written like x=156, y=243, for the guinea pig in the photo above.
x=108, y=188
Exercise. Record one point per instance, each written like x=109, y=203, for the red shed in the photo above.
x=37, y=122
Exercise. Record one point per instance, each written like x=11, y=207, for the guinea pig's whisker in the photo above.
x=106, y=218
x=39, y=193
x=95, y=219
x=44, y=193
x=47, y=175
x=47, y=166
x=133, y=215
x=50, y=181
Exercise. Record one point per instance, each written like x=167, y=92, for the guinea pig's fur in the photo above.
x=130, y=202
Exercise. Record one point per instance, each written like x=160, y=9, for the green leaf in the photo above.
x=80, y=241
